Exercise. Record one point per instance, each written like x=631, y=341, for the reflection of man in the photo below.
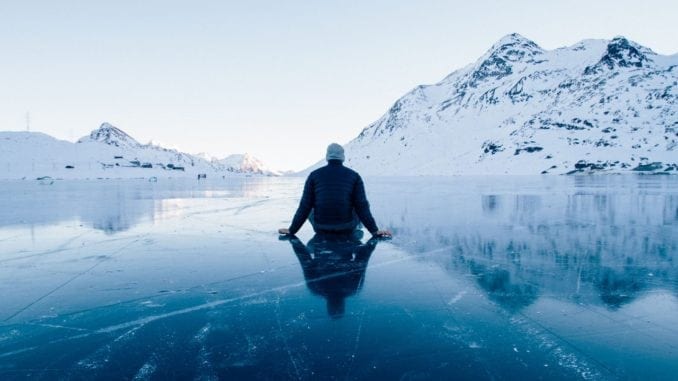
x=334, y=200
x=334, y=266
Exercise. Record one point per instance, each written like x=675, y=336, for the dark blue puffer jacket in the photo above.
x=334, y=192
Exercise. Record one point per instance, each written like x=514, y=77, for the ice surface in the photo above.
x=486, y=278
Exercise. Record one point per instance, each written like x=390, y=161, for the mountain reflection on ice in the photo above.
x=486, y=278
x=605, y=240
x=111, y=205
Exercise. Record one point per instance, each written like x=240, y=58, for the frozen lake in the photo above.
x=486, y=278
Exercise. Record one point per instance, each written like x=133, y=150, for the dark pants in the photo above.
x=346, y=228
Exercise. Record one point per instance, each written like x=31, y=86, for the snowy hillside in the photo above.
x=242, y=163
x=107, y=152
x=595, y=106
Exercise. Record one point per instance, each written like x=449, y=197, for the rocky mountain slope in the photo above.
x=108, y=152
x=597, y=106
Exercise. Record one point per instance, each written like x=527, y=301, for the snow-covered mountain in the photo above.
x=243, y=163
x=596, y=106
x=112, y=136
x=107, y=152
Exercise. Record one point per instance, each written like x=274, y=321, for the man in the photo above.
x=334, y=200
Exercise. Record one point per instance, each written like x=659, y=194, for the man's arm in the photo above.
x=362, y=206
x=305, y=206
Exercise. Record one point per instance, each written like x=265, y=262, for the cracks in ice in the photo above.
x=146, y=371
x=205, y=370
x=568, y=359
x=138, y=323
x=355, y=345
x=62, y=285
x=102, y=355
x=284, y=339
x=61, y=248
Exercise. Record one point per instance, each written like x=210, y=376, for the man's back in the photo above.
x=336, y=194
x=333, y=187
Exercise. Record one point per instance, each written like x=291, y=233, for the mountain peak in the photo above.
x=111, y=135
x=515, y=42
x=512, y=38
x=625, y=53
x=622, y=53
x=497, y=62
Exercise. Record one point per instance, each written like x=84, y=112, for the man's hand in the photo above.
x=383, y=234
x=284, y=231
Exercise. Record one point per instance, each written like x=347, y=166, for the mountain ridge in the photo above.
x=107, y=152
x=595, y=106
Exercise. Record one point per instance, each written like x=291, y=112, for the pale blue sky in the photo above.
x=279, y=79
